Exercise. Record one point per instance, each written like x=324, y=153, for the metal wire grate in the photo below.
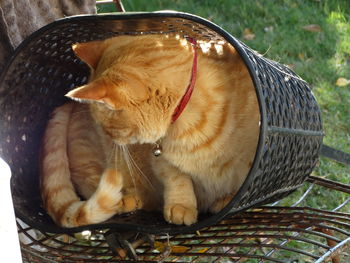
x=265, y=234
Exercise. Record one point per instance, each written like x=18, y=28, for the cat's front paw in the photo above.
x=180, y=214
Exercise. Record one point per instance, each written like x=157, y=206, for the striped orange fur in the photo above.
x=97, y=158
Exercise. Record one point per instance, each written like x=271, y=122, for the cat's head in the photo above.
x=136, y=83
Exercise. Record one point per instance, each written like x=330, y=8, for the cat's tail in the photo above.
x=59, y=196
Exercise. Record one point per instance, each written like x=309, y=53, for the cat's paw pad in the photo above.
x=129, y=203
x=180, y=214
x=220, y=203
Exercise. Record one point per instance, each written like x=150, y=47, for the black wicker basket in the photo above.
x=44, y=68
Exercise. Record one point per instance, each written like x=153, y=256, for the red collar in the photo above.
x=186, y=97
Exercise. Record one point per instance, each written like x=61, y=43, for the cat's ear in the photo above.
x=94, y=91
x=90, y=52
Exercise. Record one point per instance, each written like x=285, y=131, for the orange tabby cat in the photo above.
x=100, y=147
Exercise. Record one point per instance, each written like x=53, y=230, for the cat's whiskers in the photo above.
x=112, y=159
x=138, y=169
x=129, y=164
x=120, y=152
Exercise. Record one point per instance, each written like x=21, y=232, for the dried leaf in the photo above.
x=248, y=34
x=341, y=82
x=161, y=247
x=312, y=28
x=301, y=56
x=164, y=254
x=203, y=250
x=179, y=249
